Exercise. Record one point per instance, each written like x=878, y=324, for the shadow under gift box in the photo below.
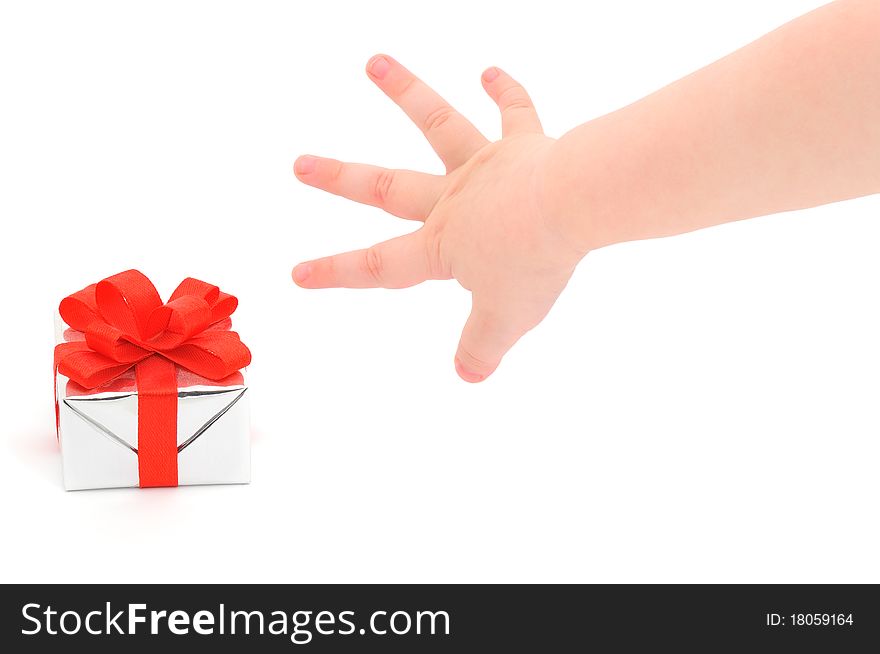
x=98, y=429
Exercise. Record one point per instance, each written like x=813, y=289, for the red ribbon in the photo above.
x=127, y=326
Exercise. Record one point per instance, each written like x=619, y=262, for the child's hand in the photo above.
x=484, y=224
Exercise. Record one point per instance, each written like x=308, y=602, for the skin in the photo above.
x=788, y=122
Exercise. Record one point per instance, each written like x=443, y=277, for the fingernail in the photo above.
x=491, y=74
x=467, y=375
x=379, y=67
x=304, y=165
x=301, y=273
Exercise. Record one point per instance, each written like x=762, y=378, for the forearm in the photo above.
x=790, y=121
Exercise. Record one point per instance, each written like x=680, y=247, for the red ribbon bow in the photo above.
x=127, y=326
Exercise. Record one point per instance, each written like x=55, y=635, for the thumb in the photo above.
x=486, y=338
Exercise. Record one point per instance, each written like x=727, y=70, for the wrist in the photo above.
x=567, y=197
x=588, y=191
x=551, y=207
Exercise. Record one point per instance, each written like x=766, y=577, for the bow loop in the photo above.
x=110, y=342
x=222, y=304
x=79, y=309
x=86, y=367
x=174, y=323
x=126, y=301
x=212, y=354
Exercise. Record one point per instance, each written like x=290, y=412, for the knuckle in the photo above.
x=514, y=97
x=373, y=264
x=437, y=118
x=325, y=269
x=473, y=362
x=406, y=85
x=437, y=268
x=335, y=171
x=382, y=185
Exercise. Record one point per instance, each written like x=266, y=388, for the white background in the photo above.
x=699, y=408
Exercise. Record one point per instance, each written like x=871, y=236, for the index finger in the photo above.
x=452, y=136
x=396, y=263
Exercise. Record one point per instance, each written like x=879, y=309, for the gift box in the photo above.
x=150, y=393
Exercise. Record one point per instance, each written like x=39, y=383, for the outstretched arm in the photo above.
x=790, y=121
